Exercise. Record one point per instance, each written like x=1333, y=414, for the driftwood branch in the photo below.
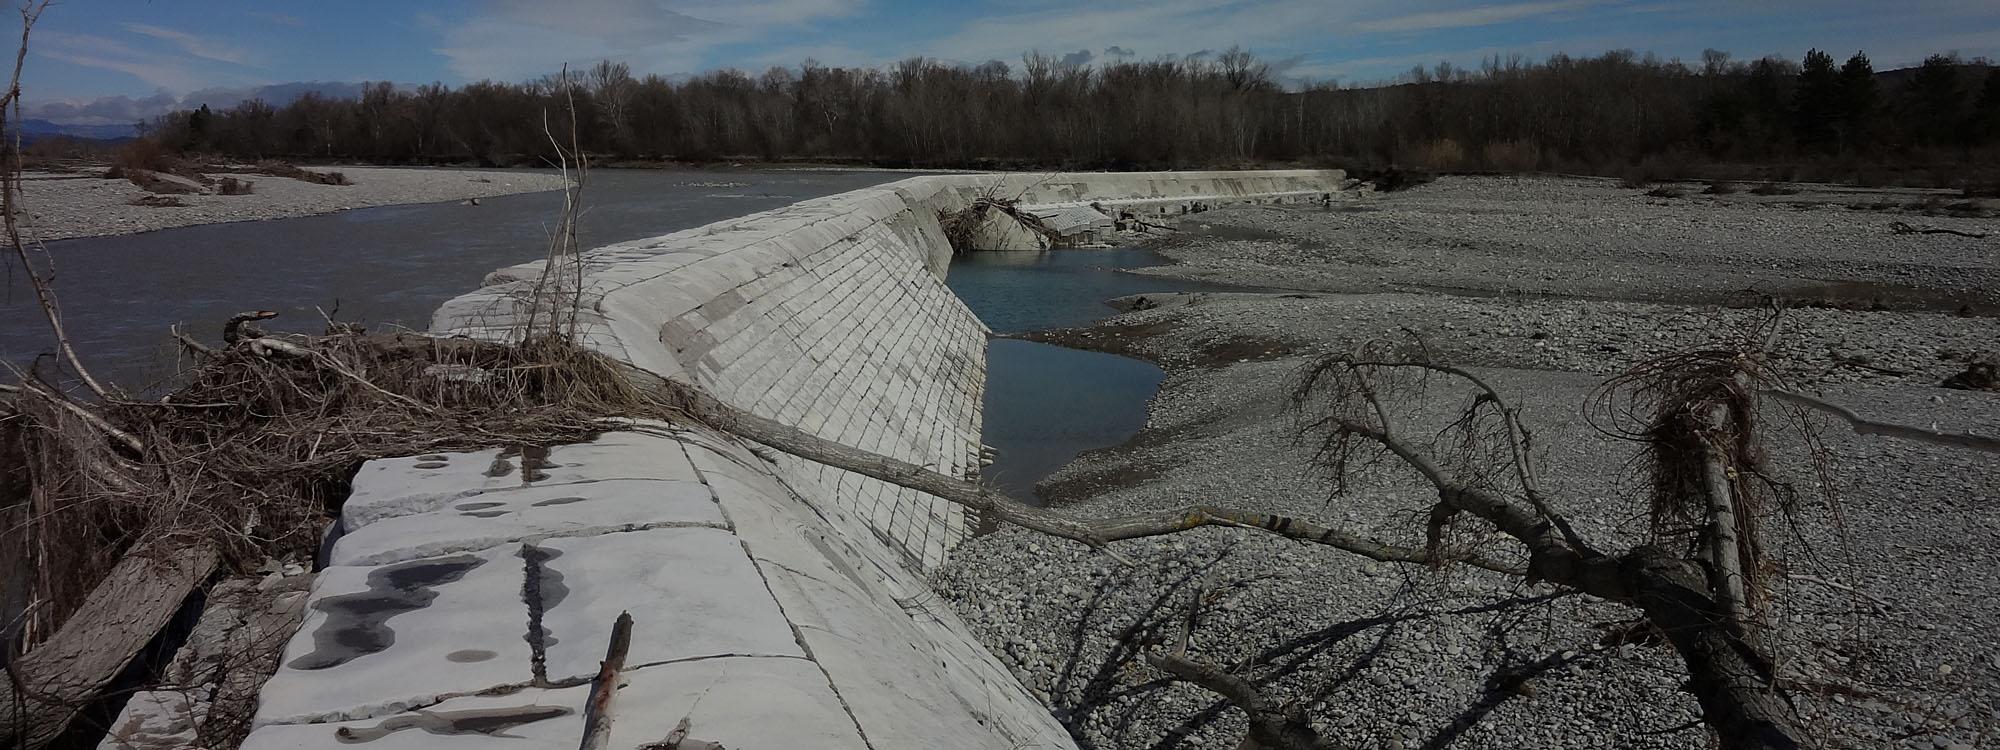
x=188, y=342
x=1096, y=533
x=48, y=686
x=1520, y=442
x=1724, y=536
x=1273, y=726
x=92, y=418
x=10, y=206
x=1731, y=680
x=1904, y=228
x=1865, y=426
x=597, y=712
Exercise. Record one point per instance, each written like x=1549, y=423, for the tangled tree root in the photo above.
x=962, y=227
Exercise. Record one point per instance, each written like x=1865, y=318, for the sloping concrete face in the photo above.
x=778, y=603
x=455, y=614
x=831, y=315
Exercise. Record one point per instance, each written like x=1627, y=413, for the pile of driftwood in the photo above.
x=126, y=506
x=962, y=227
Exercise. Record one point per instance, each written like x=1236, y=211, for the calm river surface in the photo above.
x=1046, y=403
x=383, y=266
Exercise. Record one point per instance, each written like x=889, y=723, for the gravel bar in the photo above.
x=1884, y=614
x=65, y=205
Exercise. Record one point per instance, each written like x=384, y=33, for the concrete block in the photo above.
x=377, y=640
x=742, y=703
x=693, y=593
x=511, y=515
x=426, y=483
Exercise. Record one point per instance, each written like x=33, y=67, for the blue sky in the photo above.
x=113, y=60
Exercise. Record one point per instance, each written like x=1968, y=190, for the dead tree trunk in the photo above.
x=47, y=686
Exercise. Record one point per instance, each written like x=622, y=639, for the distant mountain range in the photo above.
x=32, y=129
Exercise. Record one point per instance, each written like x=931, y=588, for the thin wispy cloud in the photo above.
x=103, y=53
x=207, y=49
x=1484, y=15
x=520, y=38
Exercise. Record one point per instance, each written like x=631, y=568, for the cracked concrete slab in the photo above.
x=422, y=484
x=380, y=639
x=746, y=703
x=544, y=511
x=691, y=592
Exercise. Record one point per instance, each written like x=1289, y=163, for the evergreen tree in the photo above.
x=1986, y=114
x=1817, y=109
x=1932, y=104
x=1859, y=102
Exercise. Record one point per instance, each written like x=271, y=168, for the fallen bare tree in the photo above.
x=130, y=505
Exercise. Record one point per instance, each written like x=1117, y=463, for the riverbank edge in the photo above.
x=65, y=206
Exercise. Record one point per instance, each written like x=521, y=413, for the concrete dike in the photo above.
x=778, y=603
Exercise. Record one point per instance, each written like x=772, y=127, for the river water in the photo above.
x=393, y=265
x=387, y=266
x=1045, y=403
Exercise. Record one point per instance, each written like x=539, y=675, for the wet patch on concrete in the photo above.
x=559, y=501
x=485, y=513
x=542, y=590
x=492, y=722
x=477, y=506
x=432, y=465
x=357, y=624
x=470, y=655
x=533, y=460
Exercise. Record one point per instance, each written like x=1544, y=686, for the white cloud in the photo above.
x=108, y=110
x=1483, y=15
x=92, y=51
x=515, y=39
x=201, y=47
x=125, y=110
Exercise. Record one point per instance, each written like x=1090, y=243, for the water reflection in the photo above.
x=1045, y=403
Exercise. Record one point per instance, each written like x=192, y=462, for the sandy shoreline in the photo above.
x=1560, y=283
x=64, y=206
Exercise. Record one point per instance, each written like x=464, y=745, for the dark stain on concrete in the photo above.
x=492, y=722
x=542, y=590
x=358, y=624
x=534, y=458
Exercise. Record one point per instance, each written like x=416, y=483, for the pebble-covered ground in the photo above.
x=72, y=204
x=1884, y=609
x=1577, y=237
